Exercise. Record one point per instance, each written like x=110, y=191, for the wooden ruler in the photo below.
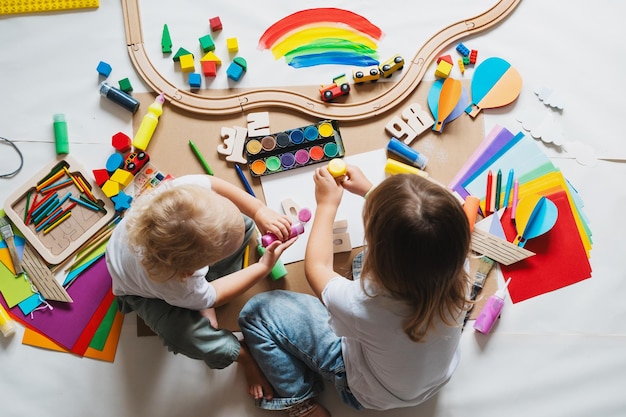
x=41, y=277
x=35, y=6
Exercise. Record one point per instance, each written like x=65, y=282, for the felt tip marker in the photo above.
x=119, y=97
x=61, y=141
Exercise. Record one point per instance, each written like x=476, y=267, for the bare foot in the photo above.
x=258, y=386
x=211, y=315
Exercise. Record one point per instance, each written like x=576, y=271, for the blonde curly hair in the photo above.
x=181, y=229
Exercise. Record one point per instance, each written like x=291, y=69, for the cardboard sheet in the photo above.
x=170, y=152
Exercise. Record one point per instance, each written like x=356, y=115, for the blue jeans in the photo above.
x=289, y=337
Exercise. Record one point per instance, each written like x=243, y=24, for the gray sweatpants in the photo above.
x=187, y=331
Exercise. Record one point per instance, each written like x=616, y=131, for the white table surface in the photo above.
x=559, y=354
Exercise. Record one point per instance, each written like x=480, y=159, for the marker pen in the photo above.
x=119, y=97
x=407, y=153
x=491, y=311
x=60, y=134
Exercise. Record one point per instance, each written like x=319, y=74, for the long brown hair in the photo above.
x=418, y=240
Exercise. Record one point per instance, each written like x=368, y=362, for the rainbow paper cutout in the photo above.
x=323, y=36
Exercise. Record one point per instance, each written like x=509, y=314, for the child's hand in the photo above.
x=273, y=252
x=269, y=220
x=356, y=182
x=327, y=191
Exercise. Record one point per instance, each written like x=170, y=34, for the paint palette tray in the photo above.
x=59, y=242
x=294, y=148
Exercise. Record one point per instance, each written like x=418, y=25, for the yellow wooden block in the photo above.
x=122, y=176
x=232, y=44
x=186, y=63
x=443, y=69
x=111, y=188
x=210, y=56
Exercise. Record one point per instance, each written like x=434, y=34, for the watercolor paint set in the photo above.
x=59, y=209
x=294, y=148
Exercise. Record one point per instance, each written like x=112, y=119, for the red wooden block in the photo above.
x=446, y=58
x=121, y=142
x=215, y=23
x=209, y=68
x=100, y=176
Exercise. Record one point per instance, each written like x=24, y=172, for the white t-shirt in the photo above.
x=385, y=369
x=130, y=278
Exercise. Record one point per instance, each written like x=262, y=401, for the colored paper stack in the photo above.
x=562, y=254
x=89, y=326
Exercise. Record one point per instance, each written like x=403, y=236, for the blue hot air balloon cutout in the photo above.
x=495, y=84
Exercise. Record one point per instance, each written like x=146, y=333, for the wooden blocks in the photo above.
x=206, y=43
x=215, y=23
x=232, y=45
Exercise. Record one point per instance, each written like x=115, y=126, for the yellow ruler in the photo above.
x=35, y=6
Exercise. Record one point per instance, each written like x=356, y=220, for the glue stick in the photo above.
x=60, y=134
x=7, y=326
x=268, y=238
x=149, y=123
x=491, y=311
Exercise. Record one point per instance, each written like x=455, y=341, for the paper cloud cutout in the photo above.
x=550, y=97
x=541, y=126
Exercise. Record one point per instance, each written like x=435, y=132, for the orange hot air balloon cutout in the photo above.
x=449, y=97
x=535, y=215
x=495, y=84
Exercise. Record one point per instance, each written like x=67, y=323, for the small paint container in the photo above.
x=282, y=140
x=273, y=163
x=316, y=153
x=254, y=147
x=287, y=160
x=296, y=136
x=268, y=143
x=311, y=133
x=258, y=167
x=302, y=156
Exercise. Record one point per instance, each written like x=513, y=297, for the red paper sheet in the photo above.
x=560, y=259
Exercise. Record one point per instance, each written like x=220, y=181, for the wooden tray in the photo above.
x=62, y=241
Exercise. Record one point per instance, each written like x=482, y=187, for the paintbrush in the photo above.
x=8, y=236
x=480, y=276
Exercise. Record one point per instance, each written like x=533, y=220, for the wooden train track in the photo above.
x=264, y=98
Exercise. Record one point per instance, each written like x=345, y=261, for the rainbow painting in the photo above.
x=323, y=36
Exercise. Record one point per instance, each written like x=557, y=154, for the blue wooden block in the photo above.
x=104, y=69
x=234, y=71
x=122, y=201
x=195, y=80
x=114, y=162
